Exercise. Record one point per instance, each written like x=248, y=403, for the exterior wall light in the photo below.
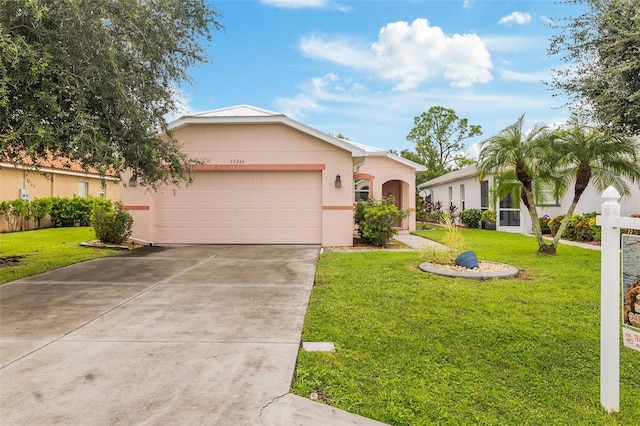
x=338, y=182
x=133, y=182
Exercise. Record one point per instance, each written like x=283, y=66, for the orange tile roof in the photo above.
x=59, y=163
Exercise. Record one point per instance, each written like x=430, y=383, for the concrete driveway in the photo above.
x=161, y=335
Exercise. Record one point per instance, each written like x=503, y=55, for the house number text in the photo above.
x=237, y=161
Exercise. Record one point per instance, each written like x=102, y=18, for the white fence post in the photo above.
x=610, y=302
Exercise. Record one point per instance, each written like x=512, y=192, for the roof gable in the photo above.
x=463, y=173
x=238, y=111
x=246, y=114
x=370, y=151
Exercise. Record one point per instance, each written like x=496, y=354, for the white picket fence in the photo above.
x=610, y=297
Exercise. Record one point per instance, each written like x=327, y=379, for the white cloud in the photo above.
x=467, y=4
x=533, y=77
x=521, y=18
x=339, y=50
x=410, y=54
x=329, y=88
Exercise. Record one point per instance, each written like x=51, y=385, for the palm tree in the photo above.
x=588, y=155
x=518, y=159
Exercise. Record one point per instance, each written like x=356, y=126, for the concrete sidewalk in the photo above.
x=416, y=242
x=180, y=335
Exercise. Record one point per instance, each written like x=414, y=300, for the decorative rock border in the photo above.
x=474, y=274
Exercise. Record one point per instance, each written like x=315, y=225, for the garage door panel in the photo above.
x=243, y=207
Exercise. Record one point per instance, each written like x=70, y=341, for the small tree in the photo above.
x=439, y=134
x=40, y=207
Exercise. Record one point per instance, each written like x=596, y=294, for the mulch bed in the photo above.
x=360, y=244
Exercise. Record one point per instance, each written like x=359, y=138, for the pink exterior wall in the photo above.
x=384, y=169
x=260, y=147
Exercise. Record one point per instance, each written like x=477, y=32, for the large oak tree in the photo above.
x=93, y=81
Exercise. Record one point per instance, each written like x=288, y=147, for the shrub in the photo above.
x=581, y=227
x=488, y=216
x=111, y=225
x=554, y=224
x=377, y=219
x=76, y=211
x=471, y=218
x=40, y=207
x=431, y=212
x=14, y=212
x=452, y=210
x=544, y=224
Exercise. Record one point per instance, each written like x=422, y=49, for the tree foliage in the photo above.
x=535, y=163
x=519, y=160
x=602, y=50
x=439, y=134
x=584, y=155
x=92, y=81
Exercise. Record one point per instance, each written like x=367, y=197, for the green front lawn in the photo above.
x=418, y=349
x=46, y=249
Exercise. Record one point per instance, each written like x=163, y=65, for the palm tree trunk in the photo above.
x=565, y=221
x=582, y=181
x=535, y=223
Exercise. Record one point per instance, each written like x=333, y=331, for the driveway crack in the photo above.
x=272, y=401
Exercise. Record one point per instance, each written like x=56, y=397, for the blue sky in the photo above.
x=367, y=68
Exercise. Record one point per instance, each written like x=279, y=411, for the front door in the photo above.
x=393, y=188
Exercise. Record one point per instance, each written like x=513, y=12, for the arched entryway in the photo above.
x=397, y=189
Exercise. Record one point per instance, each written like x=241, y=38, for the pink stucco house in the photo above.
x=267, y=179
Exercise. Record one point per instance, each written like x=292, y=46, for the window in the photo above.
x=450, y=195
x=484, y=194
x=509, y=211
x=83, y=189
x=361, y=190
x=462, y=201
x=548, y=199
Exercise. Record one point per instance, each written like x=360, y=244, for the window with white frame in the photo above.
x=547, y=198
x=361, y=190
x=462, y=200
x=83, y=189
x=450, y=195
x=509, y=211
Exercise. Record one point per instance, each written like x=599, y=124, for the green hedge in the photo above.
x=64, y=211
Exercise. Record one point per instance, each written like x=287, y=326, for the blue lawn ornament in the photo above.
x=467, y=260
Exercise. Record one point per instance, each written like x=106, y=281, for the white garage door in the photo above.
x=243, y=207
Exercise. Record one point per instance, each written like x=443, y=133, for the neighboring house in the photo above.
x=267, y=179
x=463, y=189
x=58, y=177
